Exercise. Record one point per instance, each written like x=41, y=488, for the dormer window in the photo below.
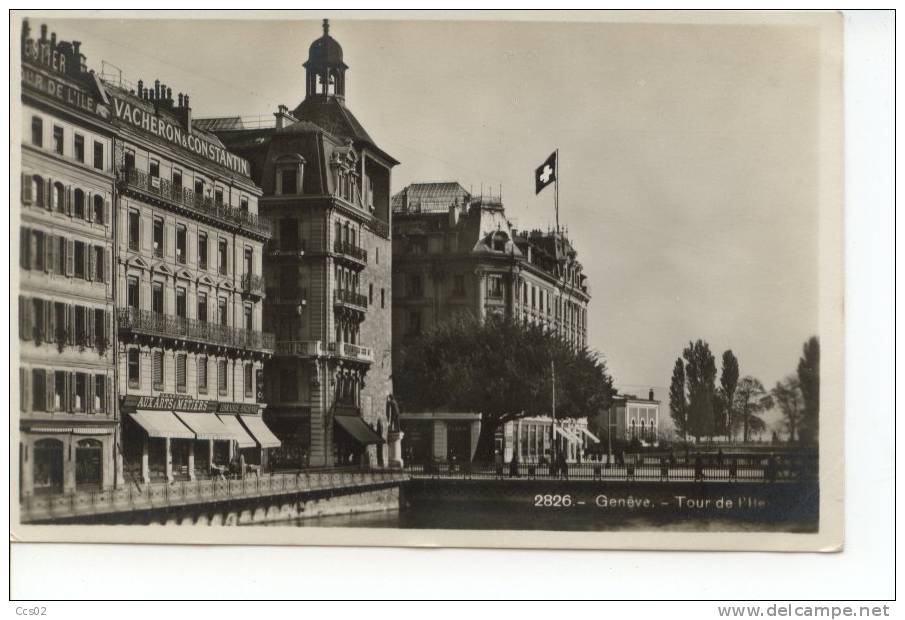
x=498, y=241
x=289, y=169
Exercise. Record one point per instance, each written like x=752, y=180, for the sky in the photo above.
x=688, y=153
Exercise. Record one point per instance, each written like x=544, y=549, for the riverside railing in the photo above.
x=167, y=325
x=166, y=495
x=187, y=198
x=749, y=468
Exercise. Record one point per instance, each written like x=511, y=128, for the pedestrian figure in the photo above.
x=664, y=468
x=698, y=468
x=513, y=467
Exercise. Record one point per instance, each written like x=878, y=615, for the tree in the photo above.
x=809, y=384
x=700, y=376
x=751, y=400
x=678, y=403
x=728, y=384
x=787, y=396
x=500, y=368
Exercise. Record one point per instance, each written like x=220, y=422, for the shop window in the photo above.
x=79, y=144
x=134, y=368
x=57, y=139
x=37, y=131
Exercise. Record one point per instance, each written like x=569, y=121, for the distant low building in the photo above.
x=630, y=417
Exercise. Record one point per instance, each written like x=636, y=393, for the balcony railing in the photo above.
x=352, y=251
x=350, y=297
x=166, y=325
x=300, y=348
x=186, y=198
x=252, y=284
x=351, y=351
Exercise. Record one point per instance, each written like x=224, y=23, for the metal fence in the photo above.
x=164, y=495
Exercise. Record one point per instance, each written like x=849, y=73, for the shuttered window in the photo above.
x=249, y=387
x=180, y=372
x=134, y=369
x=221, y=376
x=202, y=375
x=158, y=370
x=39, y=390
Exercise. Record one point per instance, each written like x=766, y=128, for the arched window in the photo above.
x=59, y=197
x=48, y=466
x=98, y=208
x=78, y=203
x=37, y=189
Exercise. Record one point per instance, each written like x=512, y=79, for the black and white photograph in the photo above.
x=521, y=281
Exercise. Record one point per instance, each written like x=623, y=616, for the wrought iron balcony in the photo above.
x=149, y=323
x=350, y=250
x=351, y=298
x=299, y=348
x=188, y=199
x=352, y=351
x=252, y=285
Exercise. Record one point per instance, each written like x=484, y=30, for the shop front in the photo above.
x=351, y=436
x=61, y=459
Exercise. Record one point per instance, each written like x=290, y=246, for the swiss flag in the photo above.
x=545, y=173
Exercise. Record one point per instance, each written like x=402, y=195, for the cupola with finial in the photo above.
x=325, y=71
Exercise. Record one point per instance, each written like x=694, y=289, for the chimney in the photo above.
x=453, y=215
x=141, y=89
x=53, y=41
x=650, y=394
x=283, y=117
x=75, y=47
x=43, y=32
x=186, y=113
x=156, y=90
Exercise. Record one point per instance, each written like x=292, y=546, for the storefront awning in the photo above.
x=162, y=424
x=590, y=435
x=356, y=427
x=75, y=430
x=255, y=425
x=239, y=433
x=206, y=426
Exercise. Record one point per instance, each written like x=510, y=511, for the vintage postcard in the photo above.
x=488, y=279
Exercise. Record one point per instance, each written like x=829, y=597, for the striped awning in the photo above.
x=241, y=435
x=567, y=435
x=75, y=430
x=162, y=424
x=207, y=426
x=259, y=430
x=590, y=435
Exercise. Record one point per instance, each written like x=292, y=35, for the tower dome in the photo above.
x=325, y=71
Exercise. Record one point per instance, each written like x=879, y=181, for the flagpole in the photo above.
x=556, y=191
x=553, y=411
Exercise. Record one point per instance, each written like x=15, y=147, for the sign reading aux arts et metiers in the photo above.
x=147, y=121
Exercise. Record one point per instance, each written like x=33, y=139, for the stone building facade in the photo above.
x=65, y=306
x=326, y=190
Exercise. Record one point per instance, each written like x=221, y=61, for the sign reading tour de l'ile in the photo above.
x=156, y=125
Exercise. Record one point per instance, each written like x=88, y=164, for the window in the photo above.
x=79, y=148
x=59, y=391
x=157, y=357
x=59, y=319
x=288, y=181
x=57, y=140
x=202, y=374
x=180, y=244
x=415, y=289
x=134, y=374
x=382, y=295
x=218, y=196
x=100, y=393
x=81, y=391
x=80, y=260
x=377, y=255
x=222, y=253
x=180, y=302
x=157, y=297
x=81, y=336
x=158, y=237
x=98, y=208
x=221, y=377
x=154, y=169
x=98, y=274
x=248, y=383
x=134, y=229
x=100, y=331
x=132, y=292
x=98, y=155
x=249, y=318
x=180, y=372
x=129, y=160
x=39, y=251
x=37, y=131
x=177, y=180
x=202, y=250
x=59, y=197
x=78, y=203
x=221, y=310
x=199, y=189
x=202, y=307
x=458, y=284
x=243, y=204
x=38, y=190
x=38, y=390
x=249, y=261
x=370, y=294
